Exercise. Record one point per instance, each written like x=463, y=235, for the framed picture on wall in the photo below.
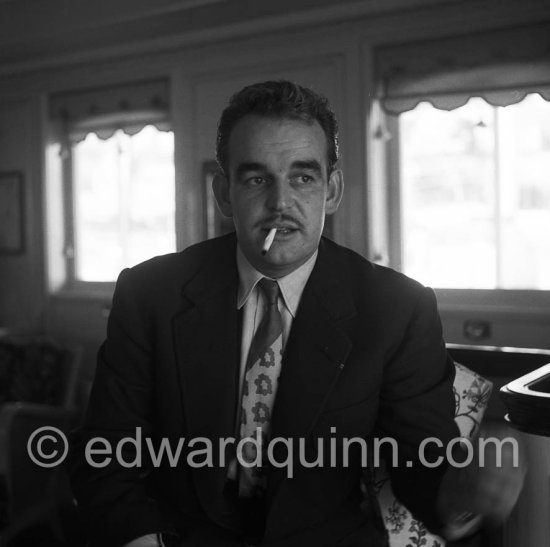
x=12, y=240
x=216, y=223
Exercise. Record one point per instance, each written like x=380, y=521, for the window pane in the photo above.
x=524, y=133
x=124, y=201
x=476, y=195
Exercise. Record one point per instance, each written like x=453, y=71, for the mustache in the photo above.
x=279, y=219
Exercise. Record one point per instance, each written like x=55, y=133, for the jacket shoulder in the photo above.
x=181, y=266
x=363, y=273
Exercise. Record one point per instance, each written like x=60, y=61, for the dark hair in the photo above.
x=277, y=99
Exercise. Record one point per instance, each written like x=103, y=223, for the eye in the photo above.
x=255, y=181
x=304, y=179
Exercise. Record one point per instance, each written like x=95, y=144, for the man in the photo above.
x=277, y=331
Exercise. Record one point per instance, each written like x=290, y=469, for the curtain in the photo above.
x=103, y=111
x=501, y=66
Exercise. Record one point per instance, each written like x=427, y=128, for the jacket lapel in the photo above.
x=207, y=344
x=316, y=350
x=206, y=339
x=313, y=360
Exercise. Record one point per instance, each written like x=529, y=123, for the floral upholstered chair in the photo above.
x=471, y=393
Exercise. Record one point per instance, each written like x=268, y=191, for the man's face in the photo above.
x=277, y=171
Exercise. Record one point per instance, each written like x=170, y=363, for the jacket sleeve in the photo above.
x=110, y=484
x=417, y=409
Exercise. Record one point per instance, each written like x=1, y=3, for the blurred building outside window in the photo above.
x=123, y=201
x=474, y=187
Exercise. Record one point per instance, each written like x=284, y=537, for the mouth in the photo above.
x=282, y=230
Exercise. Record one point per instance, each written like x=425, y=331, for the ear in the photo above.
x=335, y=191
x=220, y=187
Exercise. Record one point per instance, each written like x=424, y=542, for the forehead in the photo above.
x=276, y=140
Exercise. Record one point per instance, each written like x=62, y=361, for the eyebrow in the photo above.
x=308, y=165
x=246, y=167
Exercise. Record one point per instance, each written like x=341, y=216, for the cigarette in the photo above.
x=269, y=240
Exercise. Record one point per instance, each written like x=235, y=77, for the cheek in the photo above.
x=250, y=206
x=314, y=209
x=243, y=210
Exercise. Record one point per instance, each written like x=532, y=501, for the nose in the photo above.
x=279, y=195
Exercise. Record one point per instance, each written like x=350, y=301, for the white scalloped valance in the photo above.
x=501, y=66
x=129, y=107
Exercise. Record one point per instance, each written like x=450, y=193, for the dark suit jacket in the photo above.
x=365, y=355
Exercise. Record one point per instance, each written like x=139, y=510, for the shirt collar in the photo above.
x=291, y=285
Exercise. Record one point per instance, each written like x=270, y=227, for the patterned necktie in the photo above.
x=259, y=389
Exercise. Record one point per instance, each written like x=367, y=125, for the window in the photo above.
x=115, y=151
x=475, y=195
x=459, y=154
x=123, y=202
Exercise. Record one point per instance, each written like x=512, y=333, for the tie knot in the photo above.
x=270, y=288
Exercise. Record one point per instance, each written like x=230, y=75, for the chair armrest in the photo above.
x=471, y=393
